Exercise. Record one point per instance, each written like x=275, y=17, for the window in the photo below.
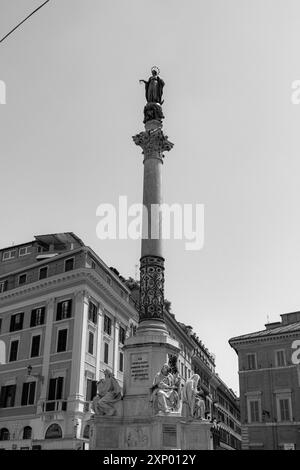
x=25, y=250
x=92, y=312
x=251, y=361
x=86, y=432
x=0, y=324
x=22, y=279
x=37, y=317
x=28, y=393
x=284, y=409
x=122, y=335
x=3, y=286
x=16, y=322
x=43, y=273
x=64, y=310
x=106, y=353
x=91, y=389
x=254, y=410
x=91, y=343
x=35, y=346
x=133, y=329
x=13, y=354
x=53, y=432
x=121, y=362
x=62, y=340
x=27, y=432
x=4, y=434
x=280, y=358
x=9, y=255
x=7, y=396
x=107, y=325
x=55, y=388
x=69, y=264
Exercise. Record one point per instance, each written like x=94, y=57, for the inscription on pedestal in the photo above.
x=137, y=437
x=139, y=370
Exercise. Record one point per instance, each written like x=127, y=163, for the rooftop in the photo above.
x=290, y=323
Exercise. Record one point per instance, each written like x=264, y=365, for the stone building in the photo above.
x=64, y=316
x=221, y=402
x=269, y=375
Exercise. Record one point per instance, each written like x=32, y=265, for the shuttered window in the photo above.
x=7, y=396
x=64, y=310
x=35, y=346
x=28, y=393
x=16, y=322
x=91, y=343
x=62, y=340
x=13, y=354
x=37, y=317
x=56, y=388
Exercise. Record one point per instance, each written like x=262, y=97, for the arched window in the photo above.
x=86, y=432
x=54, y=432
x=27, y=432
x=4, y=434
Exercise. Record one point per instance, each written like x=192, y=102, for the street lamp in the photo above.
x=37, y=376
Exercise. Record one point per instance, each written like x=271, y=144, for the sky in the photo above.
x=73, y=103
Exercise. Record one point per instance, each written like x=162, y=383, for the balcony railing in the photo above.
x=54, y=405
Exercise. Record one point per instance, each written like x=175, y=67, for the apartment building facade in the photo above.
x=64, y=317
x=269, y=380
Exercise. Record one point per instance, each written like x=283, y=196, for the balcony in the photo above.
x=54, y=405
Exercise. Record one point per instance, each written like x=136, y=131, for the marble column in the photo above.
x=153, y=143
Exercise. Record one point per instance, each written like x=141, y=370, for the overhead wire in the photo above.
x=23, y=21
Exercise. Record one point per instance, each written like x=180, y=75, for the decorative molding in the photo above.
x=153, y=143
x=152, y=288
x=55, y=282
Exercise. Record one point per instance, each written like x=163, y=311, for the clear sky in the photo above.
x=74, y=102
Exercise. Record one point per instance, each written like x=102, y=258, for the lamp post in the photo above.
x=37, y=376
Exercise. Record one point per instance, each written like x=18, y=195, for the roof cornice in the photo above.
x=65, y=280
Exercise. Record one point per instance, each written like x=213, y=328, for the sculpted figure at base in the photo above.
x=165, y=396
x=193, y=405
x=108, y=393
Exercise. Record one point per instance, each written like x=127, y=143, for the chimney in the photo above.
x=270, y=326
x=289, y=318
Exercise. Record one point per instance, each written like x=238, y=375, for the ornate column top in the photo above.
x=153, y=142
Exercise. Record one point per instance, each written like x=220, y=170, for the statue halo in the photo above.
x=156, y=69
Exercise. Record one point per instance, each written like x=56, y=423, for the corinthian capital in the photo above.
x=153, y=143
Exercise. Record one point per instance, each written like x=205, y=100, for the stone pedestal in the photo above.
x=135, y=425
x=145, y=354
x=149, y=433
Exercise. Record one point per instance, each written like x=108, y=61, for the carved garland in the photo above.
x=152, y=288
